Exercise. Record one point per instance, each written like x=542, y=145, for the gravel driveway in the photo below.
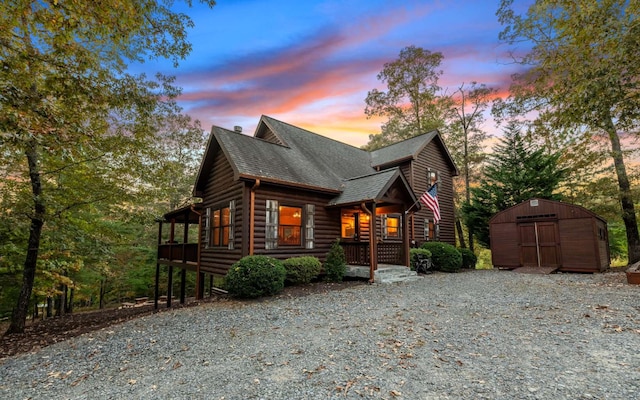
x=472, y=335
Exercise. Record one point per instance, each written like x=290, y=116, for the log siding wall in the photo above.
x=326, y=222
x=221, y=188
x=415, y=171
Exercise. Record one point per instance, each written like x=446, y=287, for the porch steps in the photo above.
x=384, y=274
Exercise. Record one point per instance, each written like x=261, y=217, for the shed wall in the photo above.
x=582, y=235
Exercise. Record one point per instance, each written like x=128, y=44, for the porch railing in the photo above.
x=184, y=252
x=357, y=253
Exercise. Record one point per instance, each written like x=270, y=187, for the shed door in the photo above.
x=539, y=245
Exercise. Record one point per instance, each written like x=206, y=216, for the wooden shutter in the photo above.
x=232, y=214
x=271, y=225
x=207, y=228
x=310, y=212
x=383, y=224
x=426, y=229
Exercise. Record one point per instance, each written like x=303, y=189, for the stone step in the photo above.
x=391, y=274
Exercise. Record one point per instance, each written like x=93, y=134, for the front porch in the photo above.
x=359, y=253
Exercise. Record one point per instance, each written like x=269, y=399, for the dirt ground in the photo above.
x=42, y=333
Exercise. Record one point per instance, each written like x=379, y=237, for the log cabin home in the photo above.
x=287, y=192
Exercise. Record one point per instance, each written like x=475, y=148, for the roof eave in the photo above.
x=289, y=184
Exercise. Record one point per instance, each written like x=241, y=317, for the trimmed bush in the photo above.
x=335, y=265
x=469, y=259
x=444, y=256
x=413, y=254
x=255, y=276
x=301, y=269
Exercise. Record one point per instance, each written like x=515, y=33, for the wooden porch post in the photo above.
x=199, y=275
x=157, y=288
x=185, y=240
x=172, y=239
x=406, y=239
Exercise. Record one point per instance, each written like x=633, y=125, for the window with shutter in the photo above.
x=431, y=230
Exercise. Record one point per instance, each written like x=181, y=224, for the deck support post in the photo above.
x=157, y=286
x=169, y=286
x=183, y=281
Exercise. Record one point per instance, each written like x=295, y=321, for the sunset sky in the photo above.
x=311, y=63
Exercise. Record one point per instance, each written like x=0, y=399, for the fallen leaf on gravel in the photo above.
x=177, y=365
x=83, y=377
x=132, y=381
x=395, y=393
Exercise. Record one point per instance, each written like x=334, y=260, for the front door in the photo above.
x=539, y=244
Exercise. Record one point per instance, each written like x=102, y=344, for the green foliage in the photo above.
x=77, y=131
x=301, y=269
x=444, y=256
x=410, y=102
x=469, y=259
x=413, y=256
x=255, y=276
x=516, y=171
x=335, y=265
x=484, y=259
x=617, y=248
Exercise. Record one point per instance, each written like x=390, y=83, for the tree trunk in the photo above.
x=19, y=315
x=463, y=245
x=103, y=285
x=49, y=307
x=69, y=306
x=626, y=200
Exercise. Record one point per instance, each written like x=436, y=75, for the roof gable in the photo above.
x=409, y=149
x=374, y=187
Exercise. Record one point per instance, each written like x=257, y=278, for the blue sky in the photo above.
x=312, y=62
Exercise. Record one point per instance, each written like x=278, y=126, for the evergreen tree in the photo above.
x=516, y=171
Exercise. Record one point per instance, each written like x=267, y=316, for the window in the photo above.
x=219, y=226
x=290, y=226
x=432, y=177
x=431, y=230
x=349, y=225
x=393, y=227
x=284, y=225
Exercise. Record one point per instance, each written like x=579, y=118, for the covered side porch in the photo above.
x=179, y=247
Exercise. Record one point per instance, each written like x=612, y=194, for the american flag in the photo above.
x=430, y=199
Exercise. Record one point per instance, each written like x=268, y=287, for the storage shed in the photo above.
x=549, y=234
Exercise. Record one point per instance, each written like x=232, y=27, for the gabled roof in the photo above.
x=371, y=187
x=408, y=149
x=285, y=154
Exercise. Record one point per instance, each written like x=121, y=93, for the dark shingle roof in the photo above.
x=402, y=150
x=307, y=159
x=366, y=188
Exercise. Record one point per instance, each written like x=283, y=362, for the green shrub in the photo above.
x=301, y=269
x=444, y=256
x=335, y=265
x=413, y=254
x=255, y=276
x=469, y=259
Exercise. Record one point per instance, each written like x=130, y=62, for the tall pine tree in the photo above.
x=516, y=171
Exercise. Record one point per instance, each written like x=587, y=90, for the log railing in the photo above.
x=178, y=252
x=357, y=253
